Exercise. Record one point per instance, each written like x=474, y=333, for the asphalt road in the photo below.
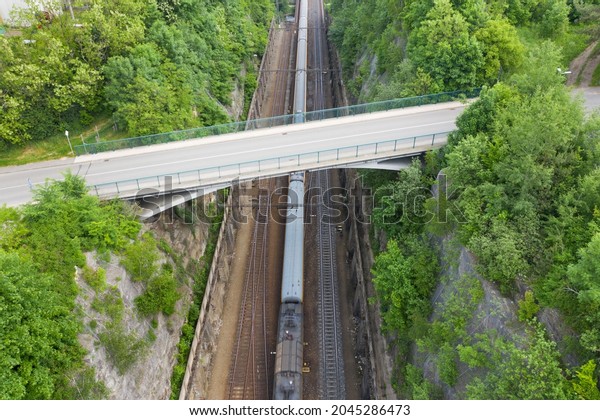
x=591, y=97
x=16, y=181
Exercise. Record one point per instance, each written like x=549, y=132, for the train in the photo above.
x=301, y=63
x=290, y=337
x=289, y=358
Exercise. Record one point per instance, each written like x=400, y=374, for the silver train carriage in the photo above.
x=301, y=64
x=293, y=251
x=290, y=347
x=290, y=341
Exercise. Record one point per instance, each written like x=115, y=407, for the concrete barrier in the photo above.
x=219, y=269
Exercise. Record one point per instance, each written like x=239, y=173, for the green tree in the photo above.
x=555, y=19
x=12, y=229
x=38, y=330
x=502, y=49
x=525, y=371
x=538, y=72
x=583, y=277
x=160, y=295
x=584, y=383
x=140, y=258
x=399, y=206
x=528, y=308
x=404, y=280
x=443, y=46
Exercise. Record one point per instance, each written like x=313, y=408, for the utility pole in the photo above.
x=69, y=141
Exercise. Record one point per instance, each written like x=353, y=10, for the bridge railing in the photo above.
x=218, y=175
x=234, y=127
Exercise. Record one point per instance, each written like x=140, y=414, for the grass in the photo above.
x=56, y=147
x=596, y=77
x=572, y=43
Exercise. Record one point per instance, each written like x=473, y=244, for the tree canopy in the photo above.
x=154, y=66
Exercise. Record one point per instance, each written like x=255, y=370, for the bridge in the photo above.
x=216, y=161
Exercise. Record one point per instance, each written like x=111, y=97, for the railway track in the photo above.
x=318, y=37
x=330, y=329
x=282, y=74
x=332, y=384
x=249, y=374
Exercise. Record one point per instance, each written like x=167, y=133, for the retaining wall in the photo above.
x=214, y=294
x=371, y=345
x=254, y=112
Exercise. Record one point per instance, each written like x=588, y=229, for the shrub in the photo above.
x=528, y=307
x=161, y=295
x=123, y=349
x=139, y=258
x=96, y=279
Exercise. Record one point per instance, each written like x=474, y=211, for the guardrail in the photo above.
x=223, y=174
x=235, y=127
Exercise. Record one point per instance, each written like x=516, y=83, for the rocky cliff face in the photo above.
x=151, y=342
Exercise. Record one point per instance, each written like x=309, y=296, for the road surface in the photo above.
x=16, y=181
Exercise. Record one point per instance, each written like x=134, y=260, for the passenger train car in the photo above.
x=301, y=63
x=290, y=339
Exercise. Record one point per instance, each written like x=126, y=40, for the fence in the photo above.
x=271, y=122
x=225, y=173
x=262, y=80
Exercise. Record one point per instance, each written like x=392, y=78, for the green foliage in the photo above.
x=124, y=348
x=502, y=50
x=583, y=278
x=417, y=387
x=500, y=254
x=158, y=66
x=110, y=303
x=584, y=383
x=399, y=205
x=522, y=171
x=517, y=148
x=160, y=295
x=84, y=386
x=40, y=245
x=404, y=279
x=12, y=229
x=539, y=69
x=140, y=258
x=447, y=358
x=522, y=373
x=443, y=46
x=433, y=46
x=596, y=77
x=38, y=329
x=457, y=309
x=555, y=18
x=528, y=308
x=96, y=279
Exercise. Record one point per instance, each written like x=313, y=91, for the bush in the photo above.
x=123, y=349
x=161, y=295
x=110, y=304
x=528, y=307
x=139, y=258
x=96, y=279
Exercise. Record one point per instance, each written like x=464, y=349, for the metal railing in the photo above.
x=218, y=175
x=234, y=127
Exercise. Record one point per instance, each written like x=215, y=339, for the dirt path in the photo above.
x=583, y=67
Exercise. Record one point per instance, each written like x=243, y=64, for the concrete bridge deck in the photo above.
x=313, y=144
